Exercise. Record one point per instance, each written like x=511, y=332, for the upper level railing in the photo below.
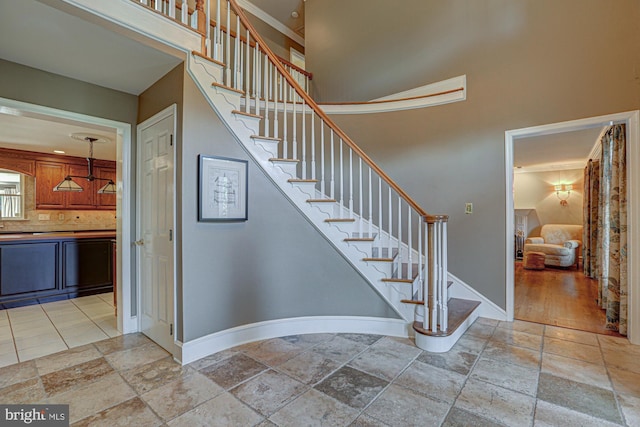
x=399, y=228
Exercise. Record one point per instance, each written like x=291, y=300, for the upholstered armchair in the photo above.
x=558, y=242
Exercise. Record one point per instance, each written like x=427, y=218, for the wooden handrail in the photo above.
x=276, y=62
x=385, y=101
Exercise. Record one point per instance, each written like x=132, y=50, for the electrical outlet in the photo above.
x=44, y=217
x=468, y=208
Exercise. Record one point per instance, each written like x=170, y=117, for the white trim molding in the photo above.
x=204, y=346
x=439, y=93
x=126, y=322
x=270, y=20
x=632, y=121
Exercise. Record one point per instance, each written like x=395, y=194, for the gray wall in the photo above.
x=275, y=265
x=528, y=63
x=277, y=42
x=39, y=87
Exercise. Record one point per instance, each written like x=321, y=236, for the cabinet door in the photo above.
x=48, y=175
x=82, y=199
x=104, y=201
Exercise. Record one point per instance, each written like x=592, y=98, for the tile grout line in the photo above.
x=13, y=337
x=613, y=389
x=54, y=327
x=90, y=319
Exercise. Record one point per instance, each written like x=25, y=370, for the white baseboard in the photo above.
x=488, y=308
x=204, y=346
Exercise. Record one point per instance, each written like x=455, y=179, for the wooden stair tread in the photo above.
x=198, y=54
x=378, y=259
x=302, y=180
x=340, y=220
x=232, y=89
x=321, y=201
x=275, y=159
x=459, y=310
x=266, y=138
x=244, y=113
x=395, y=280
x=385, y=253
x=421, y=302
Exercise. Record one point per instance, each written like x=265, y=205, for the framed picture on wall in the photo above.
x=222, y=189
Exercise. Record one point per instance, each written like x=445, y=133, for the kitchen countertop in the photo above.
x=100, y=234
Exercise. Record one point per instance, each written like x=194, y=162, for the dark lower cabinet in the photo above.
x=39, y=271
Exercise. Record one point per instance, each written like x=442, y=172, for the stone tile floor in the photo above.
x=498, y=374
x=38, y=330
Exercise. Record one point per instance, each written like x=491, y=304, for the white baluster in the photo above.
x=370, y=203
x=313, y=145
x=285, y=143
x=304, y=140
x=237, y=60
x=380, y=228
x=247, y=87
x=420, y=265
x=400, y=257
x=294, y=141
x=172, y=8
x=445, y=279
x=267, y=131
x=333, y=162
x=276, y=93
x=341, y=175
x=208, y=27
x=390, y=223
x=216, y=34
x=360, y=195
x=184, y=11
x=322, y=173
x=158, y=5
x=227, y=59
x=409, y=244
x=256, y=78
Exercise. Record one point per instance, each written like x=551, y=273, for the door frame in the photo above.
x=171, y=110
x=632, y=121
x=126, y=321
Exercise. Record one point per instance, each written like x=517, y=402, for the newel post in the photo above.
x=436, y=287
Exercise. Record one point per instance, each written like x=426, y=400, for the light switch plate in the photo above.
x=468, y=208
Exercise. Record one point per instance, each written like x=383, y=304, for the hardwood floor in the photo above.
x=558, y=297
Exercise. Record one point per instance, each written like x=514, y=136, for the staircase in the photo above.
x=385, y=235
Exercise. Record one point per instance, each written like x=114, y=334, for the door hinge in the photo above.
x=171, y=235
x=171, y=140
x=170, y=328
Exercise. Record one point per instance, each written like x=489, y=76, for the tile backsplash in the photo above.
x=56, y=220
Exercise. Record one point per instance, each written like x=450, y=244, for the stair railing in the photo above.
x=328, y=159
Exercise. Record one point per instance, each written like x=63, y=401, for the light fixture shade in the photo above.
x=558, y=187
x=568, y=187
x=68, y=184
x=108, y=188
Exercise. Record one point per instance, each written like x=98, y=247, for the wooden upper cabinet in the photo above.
x=48, y=175
x=83, y=199
x=104, y=201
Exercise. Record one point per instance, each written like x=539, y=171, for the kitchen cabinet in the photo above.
x=49, y=174
x=104, y=201
x=49, y=267
x=83, y=199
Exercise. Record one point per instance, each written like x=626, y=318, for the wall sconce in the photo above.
x=563, y=191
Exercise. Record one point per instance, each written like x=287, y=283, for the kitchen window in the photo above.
x=11, y=195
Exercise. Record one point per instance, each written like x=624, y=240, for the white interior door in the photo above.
x=155, y=236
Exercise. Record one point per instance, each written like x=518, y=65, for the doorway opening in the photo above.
x=535, y=134
x=69, y=313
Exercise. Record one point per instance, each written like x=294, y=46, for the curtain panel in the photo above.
x=611, y=257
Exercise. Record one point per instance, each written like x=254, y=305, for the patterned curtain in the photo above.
x=590, y=219
x=612, y=229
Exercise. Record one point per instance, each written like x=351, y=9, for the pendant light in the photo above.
x=68, y=184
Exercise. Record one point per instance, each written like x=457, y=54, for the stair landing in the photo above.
x=461, y=314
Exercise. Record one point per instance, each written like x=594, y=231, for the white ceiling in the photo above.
x=561, y=151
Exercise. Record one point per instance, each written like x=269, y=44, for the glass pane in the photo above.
x=11, y=195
